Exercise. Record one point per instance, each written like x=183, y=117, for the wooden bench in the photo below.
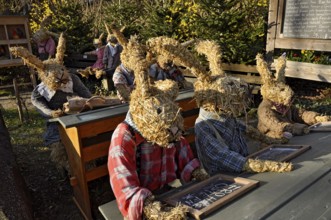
x=87, y=136
x=79, y=61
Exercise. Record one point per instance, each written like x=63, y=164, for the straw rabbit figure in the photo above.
x=153, y=127
x=219, y=136
x=277, y=117
x=97, y=68
x=44, y=40
x=49, y=96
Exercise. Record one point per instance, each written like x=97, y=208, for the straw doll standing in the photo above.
x=97, y=68
x=277, y=117
x=123, y=77
x=147, y=150
x=56, y=87
x=44, y=39
x=220, y=141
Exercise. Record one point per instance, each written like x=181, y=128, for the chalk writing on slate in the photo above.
x=209, y=194
x=307, y=19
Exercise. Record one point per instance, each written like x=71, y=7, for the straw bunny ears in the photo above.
x=214, y=91
x=152, y=105
x=49, y=70
x=274, y=88
x=43, y=34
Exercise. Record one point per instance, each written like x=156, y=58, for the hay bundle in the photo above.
x=224, y=95
x=178, y=53
x=42, y=33
x=60, y=50
x=274, y=88
x=156, y=211
x=152, y=106
x=259, y=166
x=28, y=58
x=213, y=53
x=213, y=91
x=51, y=71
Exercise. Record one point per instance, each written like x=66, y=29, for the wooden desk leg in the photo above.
x=72, y=143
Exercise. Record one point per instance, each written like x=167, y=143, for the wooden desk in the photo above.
x=87, y=136
x=303, y=194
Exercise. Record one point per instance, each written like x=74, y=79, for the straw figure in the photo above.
x=112, y=52
x=44, y=39
x=147, y=150
x=220, y=141
x=277, y=117
x=97, y=68
x=164, y=68
x=57, y=85
x=123, y=76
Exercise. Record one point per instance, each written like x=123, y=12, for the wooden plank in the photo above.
x=239, y=68
x=272, y=25
x=96, y=127
x=190, y=121
x=298, y=44
x=187, y=104
x=309, y=71
x=72, y=143
x=96, y=173
x=95, y=151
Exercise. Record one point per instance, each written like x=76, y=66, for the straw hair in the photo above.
x=224, y=95
x=152, y=106
x=49, y=71
x=274, y=89
x=118, y=34
x=42, y=33
x=213, y=52
x=60, y=50
x=213, y=92
x=28, y=58
x=178, y=53
x=280, y=69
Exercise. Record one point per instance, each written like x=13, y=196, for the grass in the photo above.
x=27, y=134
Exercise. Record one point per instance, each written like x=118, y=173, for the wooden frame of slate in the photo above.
x=206, y=196
x=280, y=153
x=321, y=126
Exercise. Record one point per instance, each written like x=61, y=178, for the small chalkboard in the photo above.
x=206, y=196
x=280, y=153
x=321, y=126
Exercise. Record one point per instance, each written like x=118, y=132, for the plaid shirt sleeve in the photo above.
x=187, y=163
x=215, y=155
x=123, y=176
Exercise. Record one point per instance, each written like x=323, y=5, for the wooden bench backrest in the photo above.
x=95, y=137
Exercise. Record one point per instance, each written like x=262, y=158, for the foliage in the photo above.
x=67, y=18
x=239, y=27
x=309, y=56
x=14, y=6
x=124, y=14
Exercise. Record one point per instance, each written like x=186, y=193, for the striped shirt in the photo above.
x=227, y=154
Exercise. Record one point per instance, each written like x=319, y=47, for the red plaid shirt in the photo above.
x=158, y=166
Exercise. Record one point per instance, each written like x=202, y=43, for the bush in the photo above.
x=67, y=17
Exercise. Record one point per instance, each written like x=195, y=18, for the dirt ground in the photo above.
x=51, y=193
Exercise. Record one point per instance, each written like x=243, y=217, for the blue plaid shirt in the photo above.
x=226, y=155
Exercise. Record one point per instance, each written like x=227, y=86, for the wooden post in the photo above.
x=18, y=100
x=33, y=77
